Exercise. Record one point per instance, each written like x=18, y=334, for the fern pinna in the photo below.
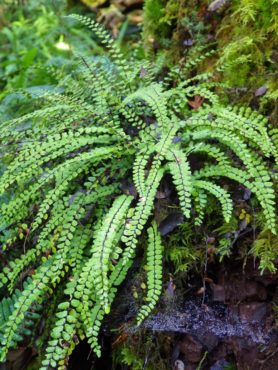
x=65, y=165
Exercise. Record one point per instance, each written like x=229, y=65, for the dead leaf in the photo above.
x=196, y=103
x=143, y=72
x=201, y=291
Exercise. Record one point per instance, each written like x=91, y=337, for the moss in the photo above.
x=144, y=350
x=167, y=21
x=243, y=33
x=156, y=27
x=246, y=38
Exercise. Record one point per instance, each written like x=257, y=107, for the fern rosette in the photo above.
x=64, y=183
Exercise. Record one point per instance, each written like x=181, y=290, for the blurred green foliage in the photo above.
x=181, y=249
x=28, y=35
x=35, y=39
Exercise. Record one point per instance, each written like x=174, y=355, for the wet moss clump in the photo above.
x=243, y=34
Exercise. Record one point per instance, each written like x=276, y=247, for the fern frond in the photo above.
x=67, y=324
x=210, y=150
x=154, y=272
x=180, y=171
x=200, y=200
x=221, y=194
x=107, y=42
x=139, y=169
x=7, y=306
x=154, y=97
x=102, y=248
x=266, y=247
x=134, y=227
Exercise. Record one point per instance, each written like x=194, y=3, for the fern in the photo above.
x=7, y=306
x=63, y=186
x=98, y=265
x=180, y=170
x=200, y=199
x=154, y=268
x=221, y=194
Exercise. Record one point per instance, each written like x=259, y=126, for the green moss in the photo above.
x=168, y=22
x=144, y=350
x=243, y=33
x=156, y=26
x=246, y=38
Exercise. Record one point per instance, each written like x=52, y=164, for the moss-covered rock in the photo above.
x=242, y=32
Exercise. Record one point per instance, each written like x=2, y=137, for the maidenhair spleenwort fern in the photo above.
x=154, y=272
x=66, y=163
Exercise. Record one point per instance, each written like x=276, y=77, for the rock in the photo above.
x=208, y=340
x=247, y=194
x=179, y=365
x=218, y=293
x=247, y=357
x=261, y=91
x=270, y=363
x=129, y=188
x=188, y=42
x=170, y=223
x=18, y=359
x=255, y=311
x=216, y=4
x=220, y=365
x=192, y=349
x=240, y=290
x=254, y=290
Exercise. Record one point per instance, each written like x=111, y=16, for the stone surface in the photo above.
x=237, y=290
x=255, y=311
x=170, y=223
x=191, y=348
x=261, y=91
x=179, y=365
x=219, y=365
x=218, y=293
x=209, y=341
